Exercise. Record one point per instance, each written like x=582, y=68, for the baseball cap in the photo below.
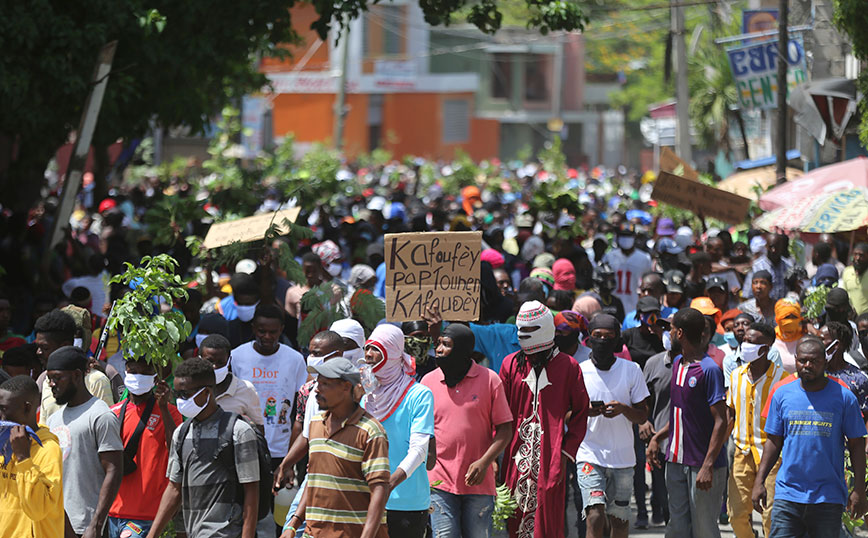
x=665, y=227
x=838, y=298
x=717, y=281
x=647, y=304
x=666, y=245
x=245, y=266
x=704, y=305
x=337, y=368
x=674, y=281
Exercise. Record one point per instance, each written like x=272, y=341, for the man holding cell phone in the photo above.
x=605, y=460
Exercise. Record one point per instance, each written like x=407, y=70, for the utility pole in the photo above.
x=83, y=137
x=783, y=45
x=682, y=95
x=340, y=100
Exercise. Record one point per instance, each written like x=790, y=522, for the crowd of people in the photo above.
x=726, y=363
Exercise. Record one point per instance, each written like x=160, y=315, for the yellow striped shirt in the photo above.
x=747, y=400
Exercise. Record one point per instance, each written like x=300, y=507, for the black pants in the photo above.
x=407, y=524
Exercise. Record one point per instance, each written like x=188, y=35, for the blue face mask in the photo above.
x=729, y=336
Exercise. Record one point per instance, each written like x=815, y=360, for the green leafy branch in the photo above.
x=148, y=333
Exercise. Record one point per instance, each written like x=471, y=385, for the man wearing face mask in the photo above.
x=750, y=388
x=605, y=282
x=733, y=358
x=246, y=292
x=629, y=265
x=570, y=328
x=644, y=340
x=233, y=394
x=549, y=403
x=838, y=309
x=220, y=499
x=606, y=458
x=147, y=421
x=836, y=337
x=790, y=328
x=469, y=404
x=418, y=343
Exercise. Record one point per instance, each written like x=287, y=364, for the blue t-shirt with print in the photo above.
x=415, y=414
x=813, y=425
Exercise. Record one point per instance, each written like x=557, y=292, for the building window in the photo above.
x=501, y=76
x=383, y=29
x=456, y=121
x=536, y=78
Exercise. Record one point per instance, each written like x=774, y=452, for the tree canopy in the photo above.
x=177, y=63
x=852, y=17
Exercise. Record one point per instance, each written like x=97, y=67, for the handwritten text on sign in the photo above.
x=433, y=269
x=754, y=68
x=700, y=198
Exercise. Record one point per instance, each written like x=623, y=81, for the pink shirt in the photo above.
x=464, y=419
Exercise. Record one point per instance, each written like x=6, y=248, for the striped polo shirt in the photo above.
x=747, y=399
x=343, y=466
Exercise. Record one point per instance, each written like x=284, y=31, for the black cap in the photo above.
x=647, y=304
x=717, y=281
x=674, y=281
x=67, y=358
x=838, y=298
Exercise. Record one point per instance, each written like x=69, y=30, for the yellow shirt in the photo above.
x=31, y=491
x=747, y=399
x=857, y=288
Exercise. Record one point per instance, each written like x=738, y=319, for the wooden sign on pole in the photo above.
x=672, y=163
x=248, y=229
x=433, y=269
x=700, y=198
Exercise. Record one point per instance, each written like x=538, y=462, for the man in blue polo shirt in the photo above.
x=808, y=419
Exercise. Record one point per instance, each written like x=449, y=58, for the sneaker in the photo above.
x=641, y=522
x=724, y=519
x=658, y=521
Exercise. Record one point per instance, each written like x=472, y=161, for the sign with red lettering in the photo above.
x=433, y=268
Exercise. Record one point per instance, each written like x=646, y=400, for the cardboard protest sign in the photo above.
x=672, y=163
x=248, y=228
x=433, y=268
x=700, y=198
x=754, y=68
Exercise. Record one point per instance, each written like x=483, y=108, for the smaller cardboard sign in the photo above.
x=248, y=229
x=700, y=198
x=433, y=268
x=672, y=163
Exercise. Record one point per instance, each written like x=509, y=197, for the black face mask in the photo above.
x=566, y=341
x=603, y=351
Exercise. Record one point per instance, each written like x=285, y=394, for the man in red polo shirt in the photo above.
x=469, y=403
x=134, y=509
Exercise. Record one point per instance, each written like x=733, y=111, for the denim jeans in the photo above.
x=640, y=488
x=692, y=511
x=461, y=516
x=299, y=531
x=796, y=520
x=119, y=527
x=407, y=524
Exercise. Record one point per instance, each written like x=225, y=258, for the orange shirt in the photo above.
x=141, y=491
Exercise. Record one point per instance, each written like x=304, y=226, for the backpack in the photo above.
x=226, y=454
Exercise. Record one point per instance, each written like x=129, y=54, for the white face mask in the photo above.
x=334, y=269
x=139, y=384
x=667, y=341
x=200, y=338
x=626, y=242
x=221, y=373
x=76, y=342
x=189, y=408
x=829, y=352
x=245, y=313
x=750, y=352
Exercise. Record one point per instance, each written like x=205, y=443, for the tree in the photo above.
x=179, y=67
x=852, y=17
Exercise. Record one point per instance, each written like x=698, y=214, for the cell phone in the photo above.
x=597, y=403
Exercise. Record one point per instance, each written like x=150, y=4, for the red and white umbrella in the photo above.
x=821, y=181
